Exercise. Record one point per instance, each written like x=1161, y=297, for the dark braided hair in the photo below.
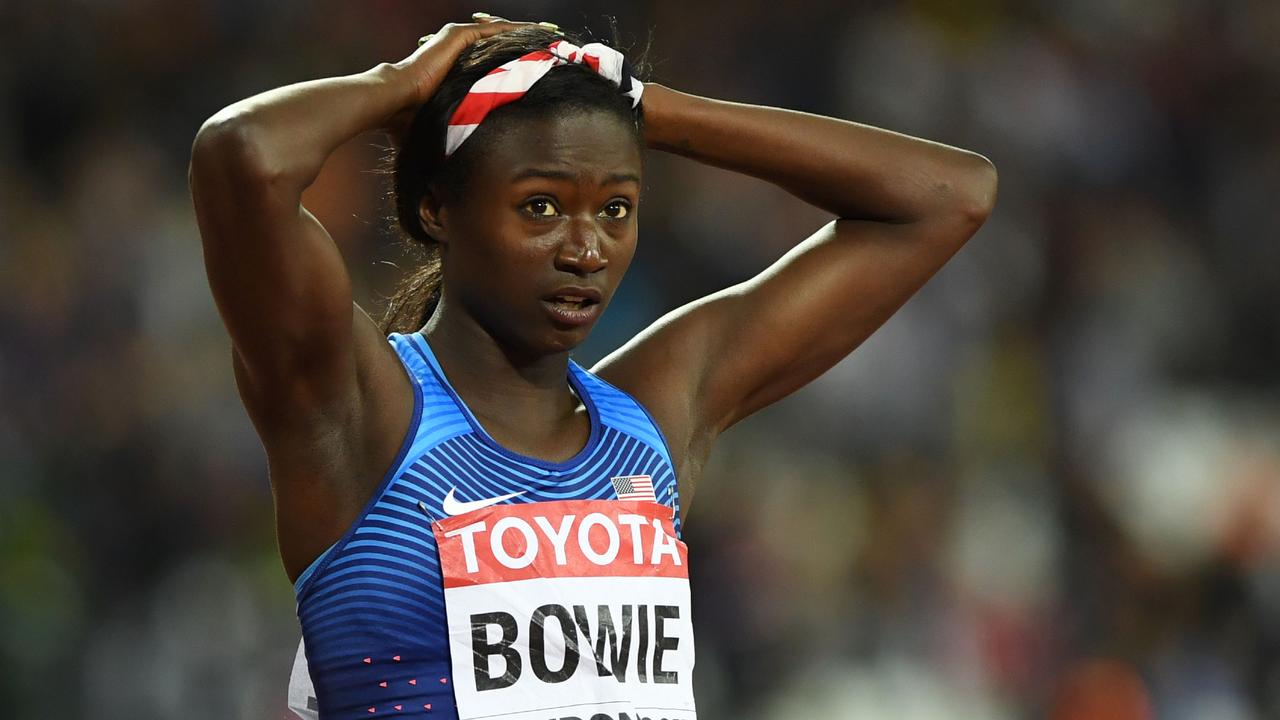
x=420, y=163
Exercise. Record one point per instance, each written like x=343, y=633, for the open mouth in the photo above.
x=571, y=302
x=573, y=306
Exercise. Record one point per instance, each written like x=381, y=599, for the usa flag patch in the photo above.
x=634, y=487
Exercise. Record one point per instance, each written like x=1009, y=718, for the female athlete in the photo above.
x=476, y=525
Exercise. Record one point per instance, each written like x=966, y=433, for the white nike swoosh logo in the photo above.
x=453, y=506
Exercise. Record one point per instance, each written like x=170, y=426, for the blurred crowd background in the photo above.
x=1049, y=487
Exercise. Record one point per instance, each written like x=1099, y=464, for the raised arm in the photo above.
x=904, y=207
x=312, y=368
x=278, y=278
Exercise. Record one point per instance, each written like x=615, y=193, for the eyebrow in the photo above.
x=610, y=179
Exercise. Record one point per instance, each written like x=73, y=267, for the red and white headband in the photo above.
x=512, y=80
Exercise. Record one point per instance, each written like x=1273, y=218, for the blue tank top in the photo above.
x=372, y=606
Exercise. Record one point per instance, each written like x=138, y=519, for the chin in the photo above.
x=566, y=340
x=549, y=341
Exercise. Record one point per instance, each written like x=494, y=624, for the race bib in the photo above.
x=569, y=610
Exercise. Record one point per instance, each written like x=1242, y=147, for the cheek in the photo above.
x=623, y=253
x=497, y=245
x=508, y=268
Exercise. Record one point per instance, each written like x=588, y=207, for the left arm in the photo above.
x=904, y=207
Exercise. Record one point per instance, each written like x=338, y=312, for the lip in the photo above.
x=591, y=294
x=572, y=318
x=569, y=317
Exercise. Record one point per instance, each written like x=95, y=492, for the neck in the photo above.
x=499, y=384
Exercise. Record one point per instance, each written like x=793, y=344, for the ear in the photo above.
x=432, y=215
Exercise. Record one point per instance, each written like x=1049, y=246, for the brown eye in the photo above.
x=540, y=207
x=616, y=210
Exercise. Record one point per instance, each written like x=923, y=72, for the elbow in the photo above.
x=978, y=198
x=961, y=195
x=228, y=143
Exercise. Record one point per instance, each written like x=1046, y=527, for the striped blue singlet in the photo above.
x=372, y=606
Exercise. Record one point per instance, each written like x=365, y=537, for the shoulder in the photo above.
x=659, y=369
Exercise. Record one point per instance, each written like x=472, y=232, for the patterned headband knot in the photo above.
x=510, y=81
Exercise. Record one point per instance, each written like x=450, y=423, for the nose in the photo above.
x=581, y=252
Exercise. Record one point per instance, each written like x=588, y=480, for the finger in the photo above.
x=481, y=17
x=500, y=26
x=488, y=25
x=485, y=29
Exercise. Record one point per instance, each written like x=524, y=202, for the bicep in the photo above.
x=277, y=277
x=719, y=359
x=783, y=328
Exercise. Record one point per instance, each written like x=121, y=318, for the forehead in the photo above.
x=591, y=144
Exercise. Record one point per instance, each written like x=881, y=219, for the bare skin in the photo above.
x=330, y=398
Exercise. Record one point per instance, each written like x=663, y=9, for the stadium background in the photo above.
x=1049, y=487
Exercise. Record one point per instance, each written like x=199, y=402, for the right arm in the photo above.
x=278, y=279
x=311, y=367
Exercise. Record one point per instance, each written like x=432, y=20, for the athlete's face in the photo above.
x=550, y=205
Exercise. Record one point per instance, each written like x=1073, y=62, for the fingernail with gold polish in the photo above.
x=480, y=15
x=549, y=25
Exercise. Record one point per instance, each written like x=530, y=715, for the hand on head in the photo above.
x=426, y=67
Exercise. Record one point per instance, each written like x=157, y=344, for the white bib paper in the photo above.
x=569, y=610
